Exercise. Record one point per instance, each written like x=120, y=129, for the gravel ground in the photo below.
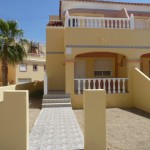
x=126, y=129
x=34, y=110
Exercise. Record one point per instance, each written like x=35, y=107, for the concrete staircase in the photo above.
x=54, y=99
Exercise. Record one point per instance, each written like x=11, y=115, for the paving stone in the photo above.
x=56, y=129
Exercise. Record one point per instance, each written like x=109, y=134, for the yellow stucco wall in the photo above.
x=55, y=65
x=56, y=71
x=30, y=74
x=141, y=87
x=14, y=121
x=31, y=87
x=112, y=100
x=94, y=127
x=91, y=36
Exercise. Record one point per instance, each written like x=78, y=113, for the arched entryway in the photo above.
x=145, y=64
x=98, y=70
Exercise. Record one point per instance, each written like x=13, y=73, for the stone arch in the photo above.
x=119, y=66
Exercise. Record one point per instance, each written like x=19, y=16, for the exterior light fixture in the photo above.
x=101, y=38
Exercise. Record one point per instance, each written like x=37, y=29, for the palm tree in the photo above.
x=12, y=50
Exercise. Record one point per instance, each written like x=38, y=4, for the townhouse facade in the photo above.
x=95, y=45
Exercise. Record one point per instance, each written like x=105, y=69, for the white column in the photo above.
x=45, y=84
x=66, y=19
x=128, y=24
x=124, y=24
x=99, y=23
x=79, y=89
x=89, y=86
x=94, y=82
x=112, y=26
x=109, y=87
x=104, y=23
x=119, y=24
x=99, y=84
x=116, y=23
x=104, y=82
x=84, y=81
x=71, y=22
x=131, y=22
x=78, y=22
x=123, y=85
x=114, y=86
x=119, y=86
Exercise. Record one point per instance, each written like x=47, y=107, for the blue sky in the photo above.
x=33, y=15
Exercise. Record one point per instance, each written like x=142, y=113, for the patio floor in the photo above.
x=126, y=129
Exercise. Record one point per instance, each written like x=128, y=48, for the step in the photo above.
x=47, y=105
x=56, y=96
x=60, y=100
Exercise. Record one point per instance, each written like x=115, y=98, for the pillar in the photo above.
x=69, y=76
x=95, y=119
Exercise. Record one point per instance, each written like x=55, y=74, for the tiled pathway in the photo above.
x=56, y=129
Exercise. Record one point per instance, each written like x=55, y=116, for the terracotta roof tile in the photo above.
x=55, y=23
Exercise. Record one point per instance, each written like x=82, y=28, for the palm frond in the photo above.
x=4, y=28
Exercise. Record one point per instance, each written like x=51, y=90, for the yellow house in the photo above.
x=33, y=67
x=95, y=45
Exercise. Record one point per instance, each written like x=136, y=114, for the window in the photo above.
x=102, y=73
x=24, y=80
x=22, y=67
x=103, y=68
x=35, y=67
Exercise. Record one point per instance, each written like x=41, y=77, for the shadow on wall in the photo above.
x=35, y=89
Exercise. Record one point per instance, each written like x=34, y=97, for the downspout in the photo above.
x=60, y=4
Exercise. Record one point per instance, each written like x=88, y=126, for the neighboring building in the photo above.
x=32, y=68
x=96, y=44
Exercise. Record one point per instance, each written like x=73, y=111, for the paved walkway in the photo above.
x=56, y=129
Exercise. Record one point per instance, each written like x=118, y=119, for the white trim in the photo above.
x=68, y=50
x=67, y=5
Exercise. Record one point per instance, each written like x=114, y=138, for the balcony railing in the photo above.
x=104, y=22
x=111, y=85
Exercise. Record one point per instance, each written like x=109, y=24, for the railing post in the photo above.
x=114, y=85
x=131, y=22
x=67, y=19
x=123, y=85
x=109, y=87
x=79, y=89
x=45, y=84
x=89, y=84
x=119, y=85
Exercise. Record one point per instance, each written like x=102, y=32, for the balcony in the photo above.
x=105, y=22
x=36, y=57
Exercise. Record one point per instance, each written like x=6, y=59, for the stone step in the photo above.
x=48, y=105
x=60, y=100
x=56, y=96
